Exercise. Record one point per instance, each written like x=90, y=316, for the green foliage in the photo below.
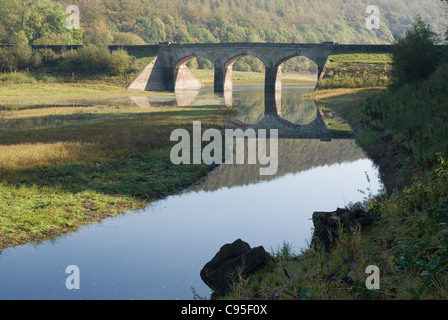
x=20, y=57
x=127, y=38
x=16, y=78
x=26, y=21
x=212, y=21
x=415, y=57
x=120, y=62
x=349, y=81
x=415, y=117
x=373, y=58
x=96, y=59
x=198, y=21
x=98, y=34
x=284, y=253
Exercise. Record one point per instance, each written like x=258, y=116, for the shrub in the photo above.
x=8, y=62
x=127, y=38
x=68, y=61
x=16, y=78
x=415, y=56
x=48, y=55
x=93, y=59
x=20, y=57
x=120, y=62
x=96, y=59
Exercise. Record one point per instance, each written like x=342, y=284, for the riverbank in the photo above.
x=409, y=244
x=75, y=151
x=73, y=154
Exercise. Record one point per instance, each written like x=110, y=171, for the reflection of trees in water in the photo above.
x=295, y=155
x=298, y=111
x=250, y=104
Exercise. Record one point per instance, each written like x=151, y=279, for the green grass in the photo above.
x=374, y=58
x=16, y=78
x=409, y=244
x=64, y=167
x=41, y=93
x=357, y=70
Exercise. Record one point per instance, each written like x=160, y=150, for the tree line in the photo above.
x=135, y=22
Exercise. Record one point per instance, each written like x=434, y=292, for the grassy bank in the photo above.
x=404, y=131
x=64, y=166
x=357, y=70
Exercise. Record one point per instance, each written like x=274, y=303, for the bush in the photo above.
x=68, y=61
x=120, y=62
x=8, y=62
x=96, y=59
x=20, y=57
x=127, y=38
x=16, y=78
x=93, y=59
x=48, y=55
x=415, y=56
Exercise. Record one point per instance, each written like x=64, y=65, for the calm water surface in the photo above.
x=157, y=253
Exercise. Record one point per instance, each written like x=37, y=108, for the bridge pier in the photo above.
x=273, y=79
x=168, y=72
x=170, y=75
x=273, y=103
x=223, y=79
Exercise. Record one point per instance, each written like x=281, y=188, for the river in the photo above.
x=157, y=253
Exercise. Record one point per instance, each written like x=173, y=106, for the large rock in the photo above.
x=221, y=272
x=327, y=225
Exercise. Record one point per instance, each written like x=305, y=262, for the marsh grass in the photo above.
x=373, y=58
x=59, y=169
x=16, y=78
x=410, y=242
x=357, y=70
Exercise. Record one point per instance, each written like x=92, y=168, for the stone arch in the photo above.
x=180, y=60
x=183, y=77
x=231, y=61
x=223, y=75
x=292, y=55
x=282, y=62
x=274, y=73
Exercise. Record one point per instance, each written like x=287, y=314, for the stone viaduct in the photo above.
x=169, y=73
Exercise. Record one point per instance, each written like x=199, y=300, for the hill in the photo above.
x=152, y=21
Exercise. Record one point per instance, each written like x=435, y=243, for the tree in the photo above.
x=98, y=34
x=120, y=62
x=25, y=21
x=415, y=56
x=127, y=38
x=20, y=57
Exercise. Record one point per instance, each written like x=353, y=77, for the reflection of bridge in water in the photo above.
x=272, y=116
x=286, y=129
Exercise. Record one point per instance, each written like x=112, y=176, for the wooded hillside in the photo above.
x=184, y=21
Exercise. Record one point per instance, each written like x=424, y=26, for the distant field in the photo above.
x=376, y=58
x=13, y=96
x=239, y=77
